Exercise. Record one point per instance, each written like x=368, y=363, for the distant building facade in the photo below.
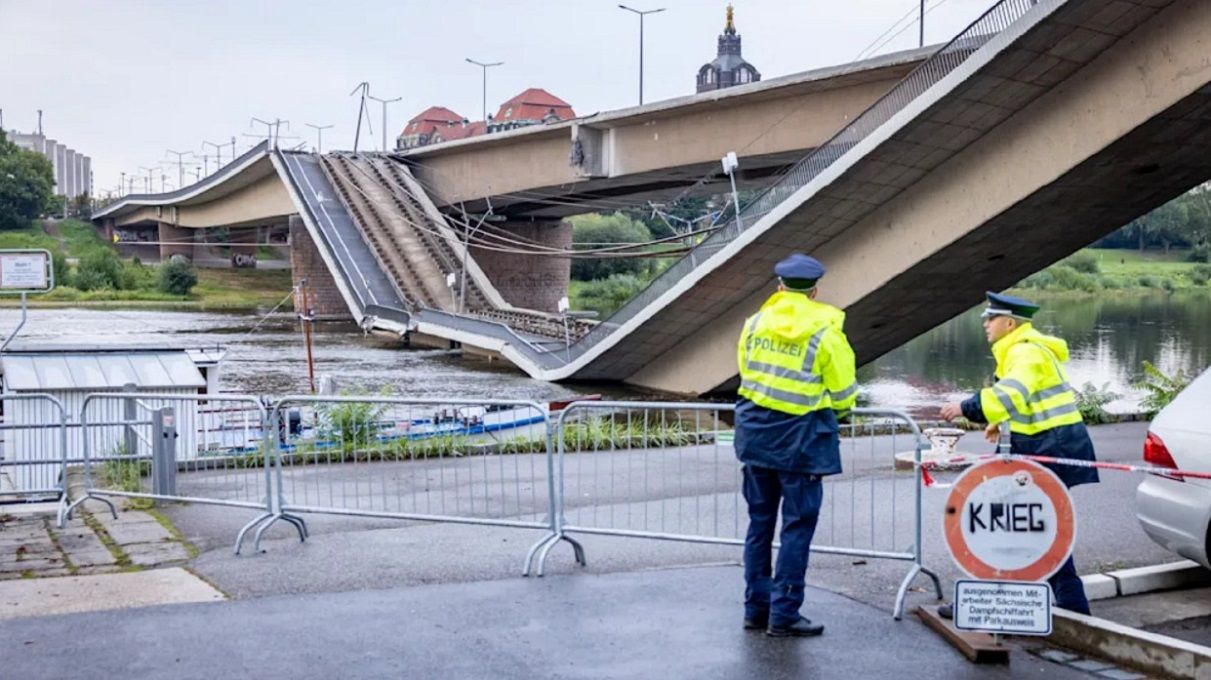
x=437, y=124
x=72, y=169
x=729, y=68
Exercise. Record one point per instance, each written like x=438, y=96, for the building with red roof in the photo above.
x=437, y=124
x=535, y=106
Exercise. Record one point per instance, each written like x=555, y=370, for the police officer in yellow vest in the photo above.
x=1032, y=393
x=796, y=377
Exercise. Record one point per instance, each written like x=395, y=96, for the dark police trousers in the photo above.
x=800, y=495
x=1068, y=588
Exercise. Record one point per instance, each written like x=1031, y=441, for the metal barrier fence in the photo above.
x=210, y=449
x=33, y=446
x=668, y=471
x=458, y=461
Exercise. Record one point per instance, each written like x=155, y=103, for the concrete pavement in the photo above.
x=670, y=623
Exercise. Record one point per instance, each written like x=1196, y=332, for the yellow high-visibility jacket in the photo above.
x=1032, y=390
x=794, y=357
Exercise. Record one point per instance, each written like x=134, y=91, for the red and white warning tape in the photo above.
x=926, y=466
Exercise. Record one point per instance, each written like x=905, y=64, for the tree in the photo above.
x=596, y=230
x=177, y=277
x=26, y=184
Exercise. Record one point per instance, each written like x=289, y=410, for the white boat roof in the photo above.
x=99, y=371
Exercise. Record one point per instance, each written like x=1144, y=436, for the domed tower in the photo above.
x=728, y=68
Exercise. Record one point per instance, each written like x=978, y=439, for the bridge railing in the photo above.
x=999, y=17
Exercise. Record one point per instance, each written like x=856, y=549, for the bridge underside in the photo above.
x=1052, y=153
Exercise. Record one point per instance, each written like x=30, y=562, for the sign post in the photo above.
x=24, y=272
x=1009, y=524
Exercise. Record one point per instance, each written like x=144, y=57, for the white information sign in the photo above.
x=23, y=271
x=1014, y=607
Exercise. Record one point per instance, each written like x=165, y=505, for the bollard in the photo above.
x=164, y=452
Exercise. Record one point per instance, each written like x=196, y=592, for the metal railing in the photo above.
x=999, y=17
x=210, y=449
x=478, y=462
x=668, y=471
x=33, y=447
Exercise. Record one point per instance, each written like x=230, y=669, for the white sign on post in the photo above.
x=1014, y=607
x=1010, y=524
x=24, y=271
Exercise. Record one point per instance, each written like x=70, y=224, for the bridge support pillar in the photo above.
x=176, y=241
x=529, y=281
x=306, y=263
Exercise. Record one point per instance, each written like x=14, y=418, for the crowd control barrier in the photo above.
x=478, y=462
x=210, y=449
x=33, y=447
x=668, y=471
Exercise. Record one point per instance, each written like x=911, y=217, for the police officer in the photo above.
x=796, y=376
x=1033, y=394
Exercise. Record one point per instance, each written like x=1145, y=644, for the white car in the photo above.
x=1176, y=513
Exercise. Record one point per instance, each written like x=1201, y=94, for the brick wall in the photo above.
x=305, y=262
x=530, y=281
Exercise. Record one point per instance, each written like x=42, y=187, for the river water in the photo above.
x=1109, y=338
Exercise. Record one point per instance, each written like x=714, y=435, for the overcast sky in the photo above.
x=123, y=81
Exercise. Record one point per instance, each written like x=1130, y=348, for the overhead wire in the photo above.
x=617, y=251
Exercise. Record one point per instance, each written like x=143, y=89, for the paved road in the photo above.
x=677, y=623
x=351, y=553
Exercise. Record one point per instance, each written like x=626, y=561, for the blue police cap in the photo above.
x=799, y=271
x=1008, y=305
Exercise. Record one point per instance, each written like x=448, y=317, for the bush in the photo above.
x=607, y=295
x=1108, y=283
x=1200, y=275
x=1084, y=262
x=1064, y=277
x=593, y=230
x=101, y=268
x=1149, y=282
x=1161, y=388
x=177, y=277
x=1091, y=400
x=1200, y=253
x=89, y=279
x=1167, y=285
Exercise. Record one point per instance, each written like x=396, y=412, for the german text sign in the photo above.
x=24, y=270
x=1014, y=607
x=1009, y=520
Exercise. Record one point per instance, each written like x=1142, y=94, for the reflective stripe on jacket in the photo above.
x=1032, y=390
x=794, y=357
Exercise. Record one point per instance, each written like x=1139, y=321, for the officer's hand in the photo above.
x=951, y=411
x=993, y=433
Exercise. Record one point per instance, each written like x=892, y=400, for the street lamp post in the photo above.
x=642, y=14
x=218, y=153
x=384, y=102
x=484, y=100
x=319, y=136
x=148, y=181
x=180, y=165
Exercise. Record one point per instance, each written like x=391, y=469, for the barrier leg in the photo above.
x=577, y=549
x=916, y=570
x=239, y=539
x=553, y=536
x=71, y=508
x=298, y=524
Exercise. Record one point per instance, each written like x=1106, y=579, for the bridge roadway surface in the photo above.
x=372, y=598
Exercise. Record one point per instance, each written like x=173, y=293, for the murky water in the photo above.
x=1109, y=336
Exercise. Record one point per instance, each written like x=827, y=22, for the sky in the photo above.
x=124, y=81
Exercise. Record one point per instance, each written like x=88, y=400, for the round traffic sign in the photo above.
x=1009, y=520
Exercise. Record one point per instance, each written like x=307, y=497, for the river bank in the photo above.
x=232, y=290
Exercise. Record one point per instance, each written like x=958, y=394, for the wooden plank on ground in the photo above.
x=977, y=647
